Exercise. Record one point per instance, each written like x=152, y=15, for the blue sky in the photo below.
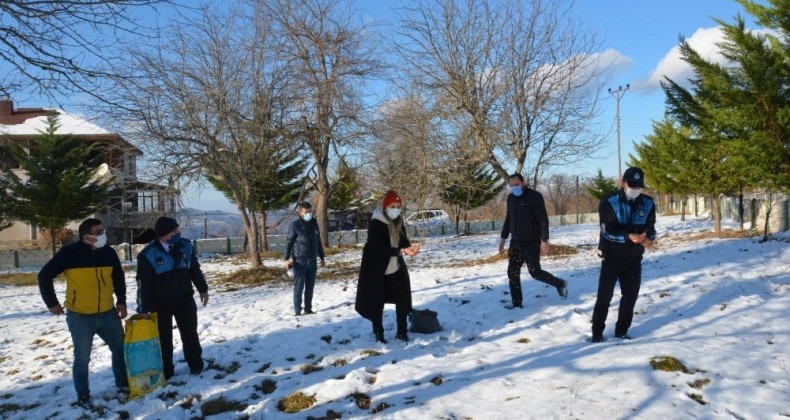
x=642, y=35
x=645, y=35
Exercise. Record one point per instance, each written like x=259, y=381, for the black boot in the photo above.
x=378, y=331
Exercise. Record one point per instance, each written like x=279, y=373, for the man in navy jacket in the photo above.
x=628, y=220
x=166, y=270
x=302, y=250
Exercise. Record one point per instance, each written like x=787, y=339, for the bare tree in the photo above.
x=62, y=47
x=525, y=77
x=331, y=54
x=560, y=193
x=405, y=149
x=211, y=100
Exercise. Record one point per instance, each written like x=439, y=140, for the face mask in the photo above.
x=101, y=240
x=307, y=217
x=393, y=212
x=175, y=239
x=632, y=193
x=516, y=190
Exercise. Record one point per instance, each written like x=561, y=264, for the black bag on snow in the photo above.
x=424, y=321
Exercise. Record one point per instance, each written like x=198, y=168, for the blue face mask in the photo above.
x=516, y=190
x=307, y=217
x=174, y=239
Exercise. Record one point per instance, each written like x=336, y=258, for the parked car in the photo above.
x=428, y=218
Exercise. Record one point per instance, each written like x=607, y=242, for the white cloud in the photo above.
x=705, y=41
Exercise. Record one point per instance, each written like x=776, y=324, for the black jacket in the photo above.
x=526, y=219
x=166, y=278
x=304, y=240
x=372, y=292
x=619, y=218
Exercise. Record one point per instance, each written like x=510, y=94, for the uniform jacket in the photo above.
x=91, y=278
x=304, y=240
x=372, y=290
x=526, y=219
x=619, y=218
x=166, y=278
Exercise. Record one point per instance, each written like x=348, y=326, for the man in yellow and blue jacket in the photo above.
x=93, y=273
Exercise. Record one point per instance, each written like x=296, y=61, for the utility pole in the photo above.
x=205, y=225
x=577, y=199
x=618, y=93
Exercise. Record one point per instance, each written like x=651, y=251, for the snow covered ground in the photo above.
x=720, y=306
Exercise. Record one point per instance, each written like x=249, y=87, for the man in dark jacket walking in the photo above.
x=302, y=249
x=166, y=270
x=628, y=220
x=526, y=220
x=93, y=273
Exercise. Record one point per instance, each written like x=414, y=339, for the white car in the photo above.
x=430, y=217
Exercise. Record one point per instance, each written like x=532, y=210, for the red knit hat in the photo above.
x=389, y=198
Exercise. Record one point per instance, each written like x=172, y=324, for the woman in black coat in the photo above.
x=383, y=277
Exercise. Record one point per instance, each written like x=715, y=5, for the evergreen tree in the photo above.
x=345, y=189
x=600, y=186
x=59, y=184
x=471, y=185
x=276, y=183
x=739, y=112
x=668, y=158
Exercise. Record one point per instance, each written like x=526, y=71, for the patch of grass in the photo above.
x=379, y=408
x=37, y=377
x=436, y=380
x=19, y=279
x=668, y=364
x=267, y=386
x=700, y=383
x=338, y=271
x=361, y=400
x=42, y=357
x=123, y=415
x=561, y=250
x=254, y=276
x=296, y=402
x=221, y=405
x=339, y=362
x=523, y=340
x=264, y=367
x=698, y=398
x=344, y=342
x=372, y=379
x=9, y=408
x=4, y=358
x=327, y=338
x=40, y=342
x=369, y=352
x=725, y=234
x=168, y=395
x=189, y=401
x=308, y=369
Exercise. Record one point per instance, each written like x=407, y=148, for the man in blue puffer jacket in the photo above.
x=302, y=249
x=628, y=220
x=166, y=270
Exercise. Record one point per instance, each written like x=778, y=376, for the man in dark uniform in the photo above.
x=166, y=270
x=628, y=220
x=526, y=220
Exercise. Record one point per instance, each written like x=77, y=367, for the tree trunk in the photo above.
x=740, y=208
x=714, y=201
x=52, y=242
x=768, y=207
x=264, y=236
x=322, y=205
x=683, y=208
x=251, y=227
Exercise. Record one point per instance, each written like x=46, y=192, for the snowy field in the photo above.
x=720, y=306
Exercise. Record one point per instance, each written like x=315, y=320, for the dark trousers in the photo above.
x=518, y=255
x=305, y=270
x=629, y=273
x=185, y=313
x=402, y=309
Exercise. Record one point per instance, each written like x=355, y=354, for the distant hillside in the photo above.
x=220, y=224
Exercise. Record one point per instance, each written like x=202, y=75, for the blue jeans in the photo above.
x=82, y=328
x=305, y=270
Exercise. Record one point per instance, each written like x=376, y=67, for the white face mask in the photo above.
x=632, y=193
x=101, y=240
x=393, y=212
x=307, y=217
